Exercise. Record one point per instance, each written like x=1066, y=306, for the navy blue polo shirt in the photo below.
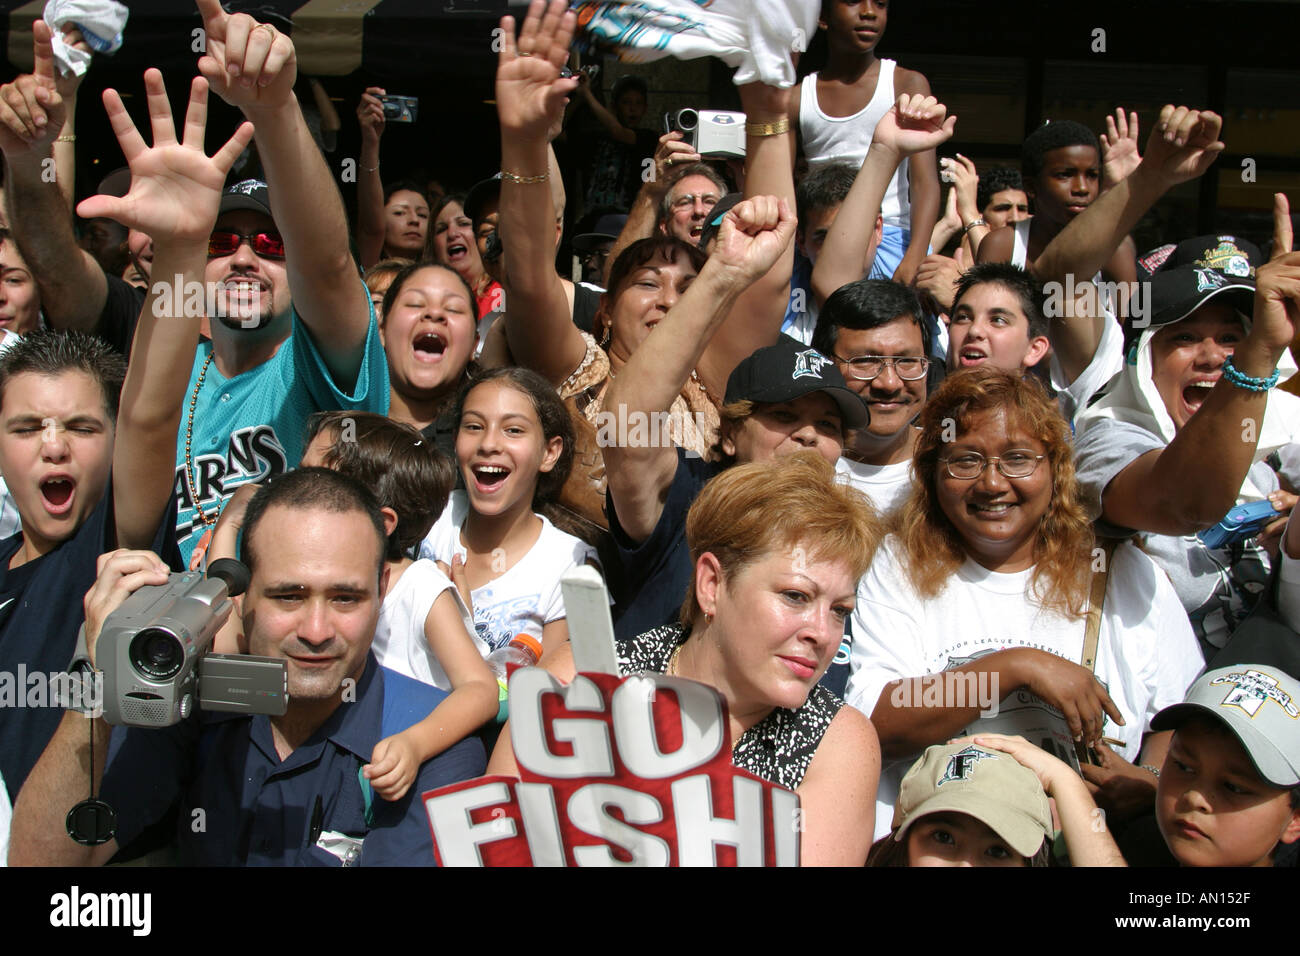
x=260, y=811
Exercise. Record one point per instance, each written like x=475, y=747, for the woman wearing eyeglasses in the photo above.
x=981, y=597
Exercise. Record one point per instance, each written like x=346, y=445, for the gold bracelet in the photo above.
x=523, y=180
x=768, y=129
x=70, y=138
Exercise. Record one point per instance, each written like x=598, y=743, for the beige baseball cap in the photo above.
x=988, y=785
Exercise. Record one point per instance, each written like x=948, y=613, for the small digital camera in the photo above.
x=1239, y=524
x=400, y=109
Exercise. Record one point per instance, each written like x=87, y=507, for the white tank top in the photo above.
x=1020, y=243
x=845, y=139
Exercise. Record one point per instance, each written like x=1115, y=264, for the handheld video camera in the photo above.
x=400, y=109
x=714, y=134
x=152, y=652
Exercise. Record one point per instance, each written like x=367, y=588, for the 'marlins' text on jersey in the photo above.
x=253, y=454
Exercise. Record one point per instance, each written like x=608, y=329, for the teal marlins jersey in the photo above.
x=250, y=427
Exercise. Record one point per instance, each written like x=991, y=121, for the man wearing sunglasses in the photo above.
x=872, y=329
x=293, y=330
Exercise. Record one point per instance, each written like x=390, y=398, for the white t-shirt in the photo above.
x=1147, y=656
x=886, y=485
x=1107, y=362
x=527, y=596
x=400, y=643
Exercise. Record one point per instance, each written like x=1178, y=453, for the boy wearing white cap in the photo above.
x=1229, y=792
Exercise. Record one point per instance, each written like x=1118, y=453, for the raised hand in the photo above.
x=530, y=91
x=915, y=123
x=1119, y=147
x=966, y=181
x=1277, y=287
x=1183, y=144
x=753, y=235
x=176, y=188
x=370, y=114
x=31, y=109
x=1049, y=770
x=250, y=65
x=68, y=85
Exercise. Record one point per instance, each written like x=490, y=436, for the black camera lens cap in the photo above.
x=92, y=822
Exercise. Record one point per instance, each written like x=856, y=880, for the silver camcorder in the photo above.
x=153, y=654
x=714, y=134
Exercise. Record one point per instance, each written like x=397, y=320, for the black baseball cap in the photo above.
x=789, y=370
x=481, y=193
x=248, y=194
x=714, y=221
x=1184, y=276
x=606, y=229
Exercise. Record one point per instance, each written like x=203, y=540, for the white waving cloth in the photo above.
x=754, y=36
x=100, y=22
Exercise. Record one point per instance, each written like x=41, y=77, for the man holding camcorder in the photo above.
x=257, y=790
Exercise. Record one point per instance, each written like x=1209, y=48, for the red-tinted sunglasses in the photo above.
x=225, y=242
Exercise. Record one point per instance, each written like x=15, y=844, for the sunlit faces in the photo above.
x=454, y=243
x=1068, y=183
x=810, y=422
x=56, y=452
x=778, y=622
x=406, y=220
x=997, y=517
x=315, y=596
x=501, y=448
x=957, y=839
x=854, y=25
x=1187, y=358
x=1213, y=807
x=988, y=324
x=20, y=300
x=642, y=300
x=814, y=229
x=893, y=401
x=1005, y=207
x=689, y=203
x=429, y=333
x=250, y=290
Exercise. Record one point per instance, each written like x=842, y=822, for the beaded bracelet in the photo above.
x=1249, y=382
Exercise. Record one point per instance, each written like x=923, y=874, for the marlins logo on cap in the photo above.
x=1228, y=258
x=962, y=764
x=809, y=362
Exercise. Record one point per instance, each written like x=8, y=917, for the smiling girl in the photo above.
x=514, y=446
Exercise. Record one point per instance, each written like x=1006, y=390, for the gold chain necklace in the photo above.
x=190, y=474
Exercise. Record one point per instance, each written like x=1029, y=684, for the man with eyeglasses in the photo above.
x=872, y=329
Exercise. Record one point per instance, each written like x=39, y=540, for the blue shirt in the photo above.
x=250, y=427
x=257, y=810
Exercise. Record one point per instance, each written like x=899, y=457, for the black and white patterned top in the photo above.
x=779, y=747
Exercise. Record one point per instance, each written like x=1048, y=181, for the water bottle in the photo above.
x=523, y=651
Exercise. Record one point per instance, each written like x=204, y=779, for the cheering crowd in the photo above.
x=927, y=469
